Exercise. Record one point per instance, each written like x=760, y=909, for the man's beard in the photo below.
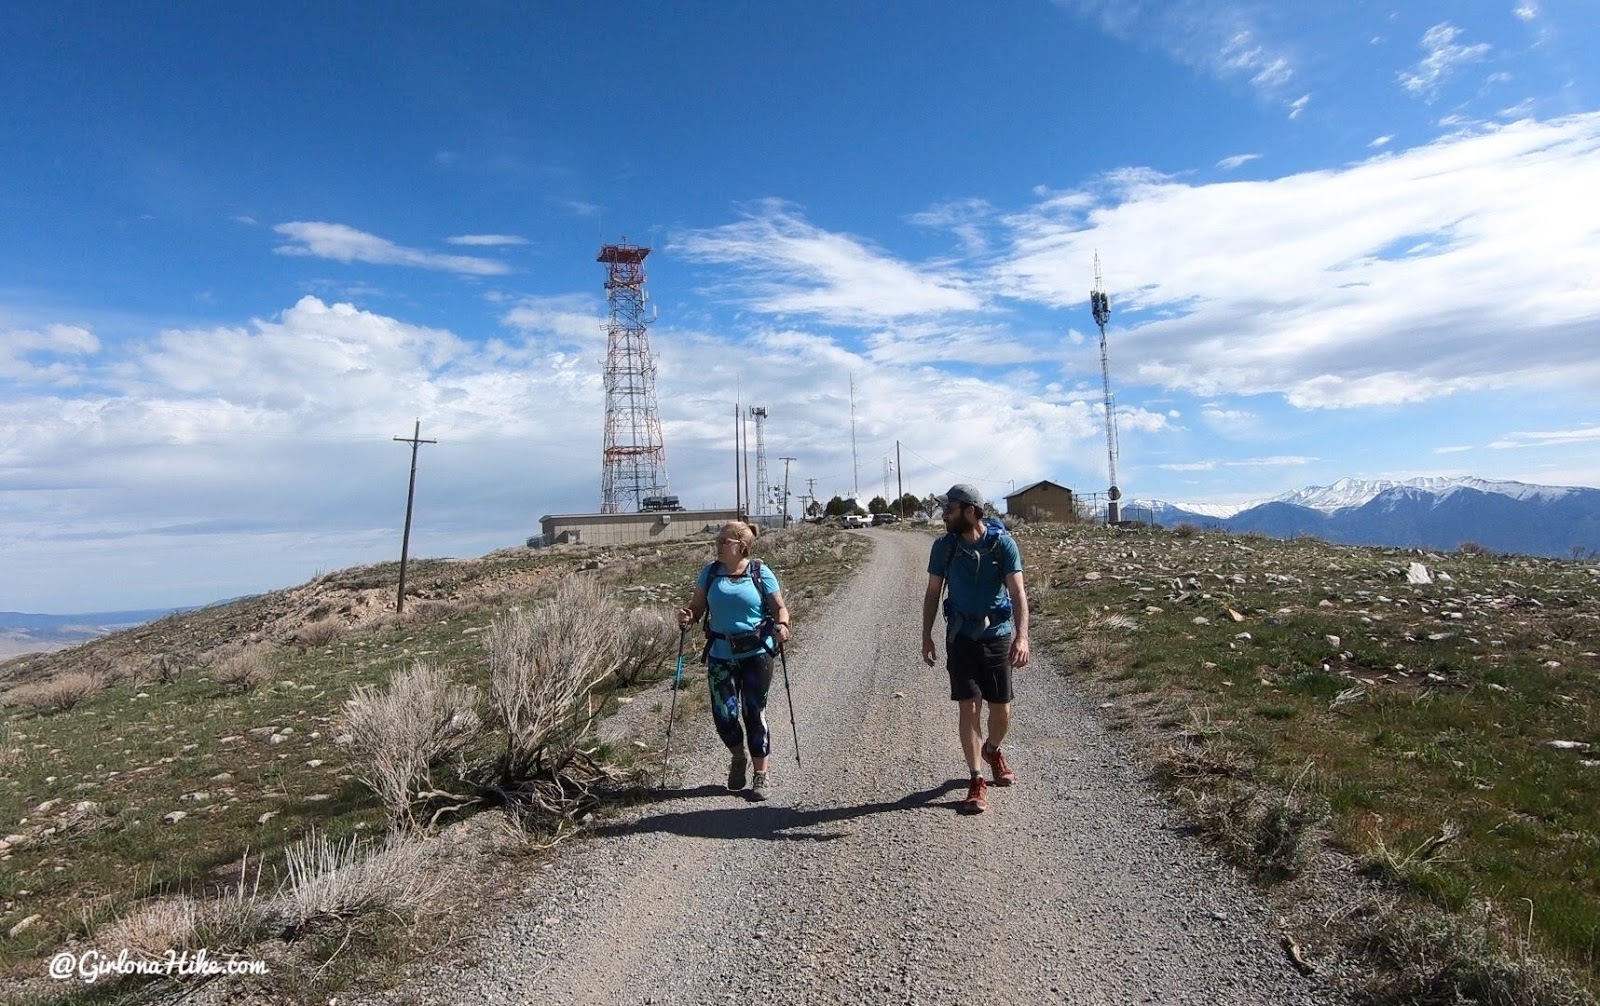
x=960, y=523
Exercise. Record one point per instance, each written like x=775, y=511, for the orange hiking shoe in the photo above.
x=977, y=797
x=1003, y=776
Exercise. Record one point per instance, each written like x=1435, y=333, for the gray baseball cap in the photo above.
x=962, y=493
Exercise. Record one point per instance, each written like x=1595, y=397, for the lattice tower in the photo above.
x=763, y=492
x=633, y=458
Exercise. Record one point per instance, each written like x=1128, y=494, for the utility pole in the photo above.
x=415, y=440
x=738, y=509
x=899, y=484
x=811, y=491
x=855, y=460
x=786, y=489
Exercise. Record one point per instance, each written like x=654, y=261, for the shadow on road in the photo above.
x=768, y=822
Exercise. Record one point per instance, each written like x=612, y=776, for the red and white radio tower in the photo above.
x=634, y=458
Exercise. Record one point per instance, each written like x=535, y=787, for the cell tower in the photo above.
x=763, y=491
x=1100, y=304
x=634, y=459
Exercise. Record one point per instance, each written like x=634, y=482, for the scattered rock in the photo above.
x=1418, y=574
x=264, y=818
x=199, y=796
x=1200, y=620
x=23, y=926
x=314, y=763
x=222, y=777
x=1333, y=641
x=174, y=817
x=1568, y=745
x=1235, y=615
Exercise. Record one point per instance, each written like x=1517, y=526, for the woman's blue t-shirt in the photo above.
x=734, y=603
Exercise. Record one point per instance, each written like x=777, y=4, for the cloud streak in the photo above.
x=343, y=243
x=788, y=267
x=1443, y=56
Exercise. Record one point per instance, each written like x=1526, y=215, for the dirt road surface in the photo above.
x=859, y=882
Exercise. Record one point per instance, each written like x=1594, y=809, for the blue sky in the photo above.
x=242, y=247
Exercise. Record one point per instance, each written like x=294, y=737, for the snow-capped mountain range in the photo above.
x=1439, y=513
x=1357, y=492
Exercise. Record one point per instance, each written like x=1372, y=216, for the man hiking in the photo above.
x=986, y=629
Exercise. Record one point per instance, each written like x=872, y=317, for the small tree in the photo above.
x=837, y=507
x=908, y=505
x=929, y=506
x=878, y=505
x=814, y=509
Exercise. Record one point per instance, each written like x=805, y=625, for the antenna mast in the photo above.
x=633, y=458
x=1100, y=303
x=759, y=414
x=855, y=460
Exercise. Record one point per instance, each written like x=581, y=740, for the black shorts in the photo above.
x=980, y=668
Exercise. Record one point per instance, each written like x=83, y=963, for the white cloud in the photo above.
x=486, y=240
x=571, y=318
x=965, y=218
x=787, y=266
x=346, y=244
x=1528, y=11
x=1549, y=438
x=1223, y=39
x=1442, y=57
x=1297, y=107
x=1382, y=141
x=246, y=219
x=1237, y=160
x=1454, y=266
x=23, y=353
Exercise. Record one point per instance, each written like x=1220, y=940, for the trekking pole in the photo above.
x=784, y=660
x=677, y=683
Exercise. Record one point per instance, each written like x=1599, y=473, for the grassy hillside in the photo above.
x=161, y=771
x=1441, y=739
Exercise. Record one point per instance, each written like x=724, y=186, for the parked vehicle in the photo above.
x=857, y=520
x=653, y=503
x=883, y=518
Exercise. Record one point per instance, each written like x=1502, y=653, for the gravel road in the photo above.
x=859, y=882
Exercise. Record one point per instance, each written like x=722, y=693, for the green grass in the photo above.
x=1435, y=705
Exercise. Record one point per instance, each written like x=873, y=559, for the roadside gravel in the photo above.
x=859, y=882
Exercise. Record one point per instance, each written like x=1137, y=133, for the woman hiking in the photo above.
x=746, y=624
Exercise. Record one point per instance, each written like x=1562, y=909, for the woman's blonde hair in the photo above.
x=745, y=533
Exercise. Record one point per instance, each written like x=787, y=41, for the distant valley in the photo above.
x=25, y=632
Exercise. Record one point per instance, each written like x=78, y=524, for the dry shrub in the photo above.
x=1472, y=548
x=58, y=694
x=649, y=639
x=233, y=920
x=320, y=632
x=327, y=879
x=1093, y=653
x=244, y=669
x=11, y=750
x=401, y=733
x=543, y=664
x=1429, y=959
x=1186, y=530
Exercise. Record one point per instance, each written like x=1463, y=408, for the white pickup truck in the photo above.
x=857, y=520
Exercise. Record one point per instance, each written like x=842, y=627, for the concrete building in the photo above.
x=1043, y=501
x=628, y=528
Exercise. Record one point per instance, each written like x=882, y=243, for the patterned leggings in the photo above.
x=741, y=686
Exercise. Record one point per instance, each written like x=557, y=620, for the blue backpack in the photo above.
x=993, y=531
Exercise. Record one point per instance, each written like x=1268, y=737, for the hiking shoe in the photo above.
x=736, y=769
x=758, y=787
x=1003, y=776
x=977, y=797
